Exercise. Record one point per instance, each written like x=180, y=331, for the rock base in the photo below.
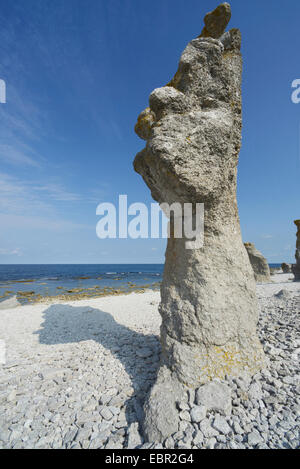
x=296, y=272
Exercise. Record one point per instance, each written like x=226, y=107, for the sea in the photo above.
x=50, y=280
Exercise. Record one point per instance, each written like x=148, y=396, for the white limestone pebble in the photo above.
x=61, y=381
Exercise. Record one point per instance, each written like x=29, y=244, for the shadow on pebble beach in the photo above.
x=137, y=352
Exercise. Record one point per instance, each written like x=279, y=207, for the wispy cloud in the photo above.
x=97, y=195
x=16, y=156
x=27, y=205
x=17, y=197
x=57, y=192
x=24, y=222
x=21, y=126
x=10, y=252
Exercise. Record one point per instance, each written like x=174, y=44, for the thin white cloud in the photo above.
x=10, y=252
x=16, y=197
x=57, y=192
x=24, y=205
x=12, y=155
x=19, y=195
x=24, y=222
x=96, y=195
x=21, y=126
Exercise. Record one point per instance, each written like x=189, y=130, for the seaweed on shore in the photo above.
x=77, y=294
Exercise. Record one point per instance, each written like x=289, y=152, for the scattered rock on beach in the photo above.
x=215, y=396
x=198, y=413
x=221, y=425
x=283, y=295
x=54, y=388
x=144, y=352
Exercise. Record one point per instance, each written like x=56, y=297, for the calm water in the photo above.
x=57, y=279
x=275, y=266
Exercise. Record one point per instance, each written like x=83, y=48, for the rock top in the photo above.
x=216, y=21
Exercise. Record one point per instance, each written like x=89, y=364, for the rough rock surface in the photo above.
x=215, y=396
x=216, y=21
x=259, y=264
x=208, y=302
x=296, y=267
x=283, y=295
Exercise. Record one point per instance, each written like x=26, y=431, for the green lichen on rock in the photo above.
x=144, y=124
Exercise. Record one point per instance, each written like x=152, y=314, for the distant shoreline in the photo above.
x=36, y=283
x=69, y=282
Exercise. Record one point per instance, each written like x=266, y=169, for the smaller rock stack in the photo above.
x=259, y=264
x=286, y=268
x=296, y=267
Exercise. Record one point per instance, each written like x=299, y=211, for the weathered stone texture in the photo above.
x=216, y=21
x=208, y=299
x=259, y=264
x=296, y=267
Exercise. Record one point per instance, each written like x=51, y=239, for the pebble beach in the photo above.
x=77, y=372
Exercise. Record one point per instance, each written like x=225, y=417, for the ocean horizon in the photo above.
x=31, y=282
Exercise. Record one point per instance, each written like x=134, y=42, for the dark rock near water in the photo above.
x=296, y=267
x=286, y=268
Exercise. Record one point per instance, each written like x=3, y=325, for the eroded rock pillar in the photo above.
x=208, y=300
x=259, y=264
x=296, y=267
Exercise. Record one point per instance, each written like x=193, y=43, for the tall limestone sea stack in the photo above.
x=296, y=267
x=208, y=300
x=259, y=264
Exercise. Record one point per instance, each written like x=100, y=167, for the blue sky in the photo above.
x=79, y=72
